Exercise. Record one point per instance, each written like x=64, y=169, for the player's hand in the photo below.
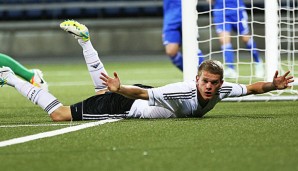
x=283, y=81
x=113, y=84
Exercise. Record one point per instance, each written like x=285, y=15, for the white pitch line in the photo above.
x=54, y=133
x=36, y=125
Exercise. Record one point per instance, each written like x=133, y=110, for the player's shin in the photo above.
x=177, y=60
x=94, y=64
x=200, y=57
x=38, y=96
x=251, y=44
x=228, y=54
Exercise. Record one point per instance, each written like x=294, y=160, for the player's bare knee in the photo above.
x=172, y=49
x=171, y=53
x=56, y=116
x=245, y=38
x=61, y=114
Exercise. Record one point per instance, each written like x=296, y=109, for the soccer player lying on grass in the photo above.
x=33, y=76
x=113, y=100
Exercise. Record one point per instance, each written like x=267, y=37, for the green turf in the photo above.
x=234, y=136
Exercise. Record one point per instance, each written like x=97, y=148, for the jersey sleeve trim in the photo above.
x=151, y=98
x=244, y=89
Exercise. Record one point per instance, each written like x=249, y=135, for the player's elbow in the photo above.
x=144, y=94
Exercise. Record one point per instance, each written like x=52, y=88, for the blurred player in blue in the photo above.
x=172, y=32
x=230, y=15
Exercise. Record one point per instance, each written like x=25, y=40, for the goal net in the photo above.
x=273, y=25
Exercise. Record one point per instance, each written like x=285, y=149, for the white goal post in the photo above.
x=189, y=38
x=273, y=25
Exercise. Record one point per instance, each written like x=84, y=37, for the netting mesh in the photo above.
x=244, y=63
x=288, y=35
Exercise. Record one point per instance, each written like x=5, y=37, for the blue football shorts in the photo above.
x=172, y=23
x=231, y=19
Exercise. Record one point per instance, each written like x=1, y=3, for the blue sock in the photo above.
x=228, y=54
x=200, y=56
x=251, y=44
x=177, y=60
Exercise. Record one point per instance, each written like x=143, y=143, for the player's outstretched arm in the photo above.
x=278, y=83
x=114, y=85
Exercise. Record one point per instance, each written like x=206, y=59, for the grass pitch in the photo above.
x=233, y=136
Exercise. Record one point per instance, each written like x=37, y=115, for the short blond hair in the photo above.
x=211, y=66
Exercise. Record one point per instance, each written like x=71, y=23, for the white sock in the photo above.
x=95, y=66
x=38, y=96
x=12, y=80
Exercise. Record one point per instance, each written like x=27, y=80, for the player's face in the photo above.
x=208, y=84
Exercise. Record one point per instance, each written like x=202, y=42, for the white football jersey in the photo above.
x=180, y=100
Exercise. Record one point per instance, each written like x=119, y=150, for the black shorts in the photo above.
x=99, y=107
